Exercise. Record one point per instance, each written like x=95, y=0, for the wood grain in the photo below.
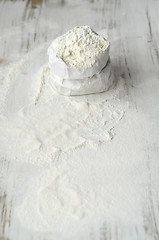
x=134, y=28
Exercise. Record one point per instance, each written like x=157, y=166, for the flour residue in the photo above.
x=52, y=124
x=38, y=126
x=80, y=193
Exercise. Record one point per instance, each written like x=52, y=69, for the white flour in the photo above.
x=56, y=124
x=80, y=193
x=40, y=127
x=79, y=47
x=40, y=124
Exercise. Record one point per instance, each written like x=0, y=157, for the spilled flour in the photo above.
x=50, y=124
x=41, y=127
x=77, y=195
x=55, y=124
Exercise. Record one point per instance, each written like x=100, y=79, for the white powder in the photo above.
x=54, y=124
x=80, y=193
x=79, y=47
x=40, y=127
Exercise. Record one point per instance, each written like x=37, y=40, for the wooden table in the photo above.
x=134, y=25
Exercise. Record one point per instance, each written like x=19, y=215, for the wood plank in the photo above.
x=133, y=27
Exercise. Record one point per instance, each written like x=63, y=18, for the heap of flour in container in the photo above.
x=79, y=62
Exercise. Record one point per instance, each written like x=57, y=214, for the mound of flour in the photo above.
x=79, y=62
x=79, y=47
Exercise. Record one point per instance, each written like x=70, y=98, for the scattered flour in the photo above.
x=54, y=124
x=80, y=193
x=37, y=126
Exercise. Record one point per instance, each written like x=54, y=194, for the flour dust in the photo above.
x=39, y=124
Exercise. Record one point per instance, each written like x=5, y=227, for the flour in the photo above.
x=79, y=54
x=80, y=193
x=79, y=63
x=37, y=134
x=79, y=47
x=42, y=128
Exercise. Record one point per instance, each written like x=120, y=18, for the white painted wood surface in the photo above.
x=134, y=28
